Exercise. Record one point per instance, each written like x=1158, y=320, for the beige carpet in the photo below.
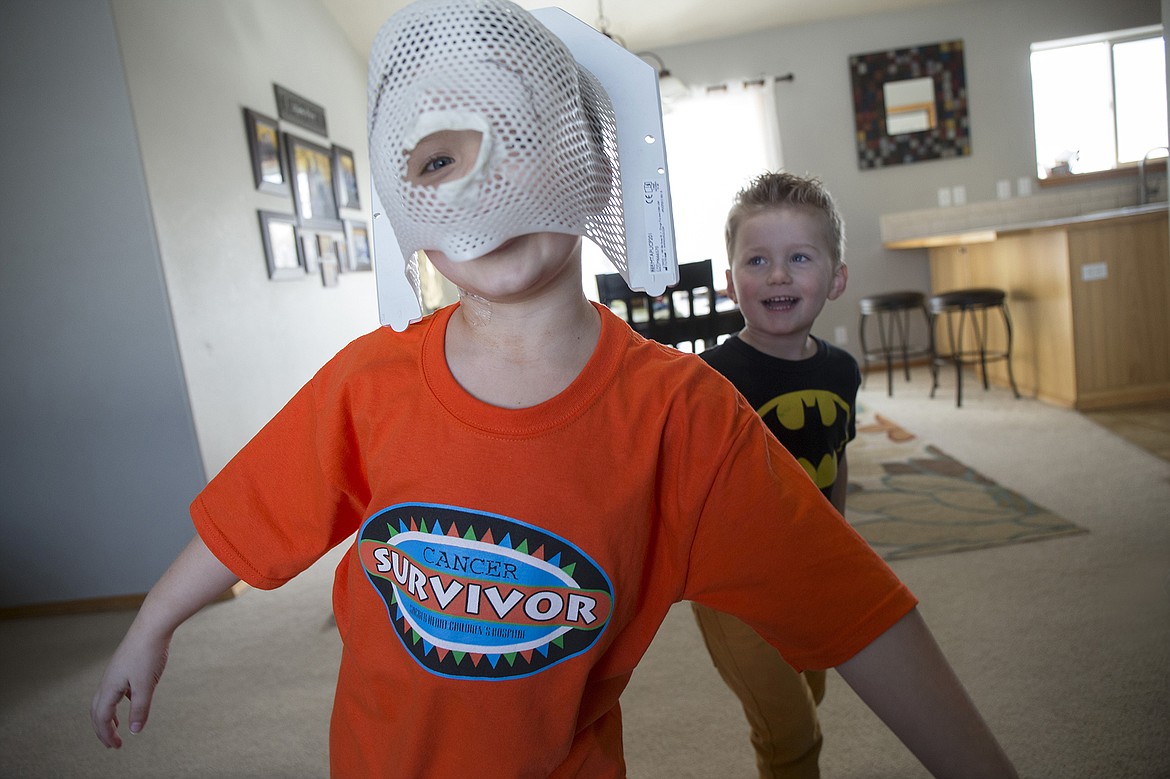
x=908, y=498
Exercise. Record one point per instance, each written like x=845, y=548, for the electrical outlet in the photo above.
x=944, y=197
x=1094, y=271
x=841, y=335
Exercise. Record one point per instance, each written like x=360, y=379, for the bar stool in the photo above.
x=975, y=305
x=893, y=313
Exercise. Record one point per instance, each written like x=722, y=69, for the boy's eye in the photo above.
x=799, y=257
x=757, y=260
x=442, y=156
x=437, y=162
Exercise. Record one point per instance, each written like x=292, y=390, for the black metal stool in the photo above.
x=893, y=312
x=974, y=305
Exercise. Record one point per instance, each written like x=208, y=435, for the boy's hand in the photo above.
x=134, y=671
x=194, y=579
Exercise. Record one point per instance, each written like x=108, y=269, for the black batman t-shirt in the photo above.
x=809, y=405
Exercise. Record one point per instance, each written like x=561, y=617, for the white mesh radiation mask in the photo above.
x=548, y=152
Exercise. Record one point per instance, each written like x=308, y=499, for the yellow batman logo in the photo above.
x=791, y=411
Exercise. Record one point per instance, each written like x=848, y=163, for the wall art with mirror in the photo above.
x=910, y=105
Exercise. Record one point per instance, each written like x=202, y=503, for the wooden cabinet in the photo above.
x=1090, y=305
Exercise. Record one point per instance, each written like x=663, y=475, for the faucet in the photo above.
x=1143, y=189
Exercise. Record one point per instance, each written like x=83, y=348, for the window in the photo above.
x=716, y=142
x=1099, y=101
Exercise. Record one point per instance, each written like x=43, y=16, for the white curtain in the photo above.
x=717, y=140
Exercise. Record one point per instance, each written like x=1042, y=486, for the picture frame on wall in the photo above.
x=268, y=165
x=345, y=176
x=329, y=272
x=327, y=250
x=281, y=245
x=357, y=239
x=326, y=247
x=330, y=249
x=341, y=247
x=311, y=173
x=309, y=248
x=300, y=111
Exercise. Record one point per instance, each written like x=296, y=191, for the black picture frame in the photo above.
x=949, y=133
x=282, y=245
x=330, y=271
x=357, y=239
x=300, y=111
x=308, y=244
x=330, y=246
x=269, y=171
x=311, y=176
x=341, y=246
x=345, y=178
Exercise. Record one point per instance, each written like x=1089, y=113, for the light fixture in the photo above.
x=603, y=26
x=670, y=86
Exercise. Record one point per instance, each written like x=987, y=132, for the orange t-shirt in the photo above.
x=511, y=566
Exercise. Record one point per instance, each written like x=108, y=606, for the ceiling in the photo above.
x=650, y=24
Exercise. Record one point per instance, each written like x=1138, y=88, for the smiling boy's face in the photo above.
x=782, y=272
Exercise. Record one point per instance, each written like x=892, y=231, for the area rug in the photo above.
x=908, y=499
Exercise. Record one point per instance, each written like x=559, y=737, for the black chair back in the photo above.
x=686, y=314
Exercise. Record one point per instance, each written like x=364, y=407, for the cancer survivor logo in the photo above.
x=481, y=596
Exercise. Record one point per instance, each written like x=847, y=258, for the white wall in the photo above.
x=816, y=112
x=247, y=343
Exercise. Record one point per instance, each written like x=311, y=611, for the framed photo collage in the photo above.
x=317, y=237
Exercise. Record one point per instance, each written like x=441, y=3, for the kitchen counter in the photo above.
x=1088, y=293
x=992, y=232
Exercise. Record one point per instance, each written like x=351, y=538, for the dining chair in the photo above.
x=687, y=314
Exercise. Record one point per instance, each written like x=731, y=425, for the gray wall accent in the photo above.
x=98, y=450
x=143, y=343
x=815, y=113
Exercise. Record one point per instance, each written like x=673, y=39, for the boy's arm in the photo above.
x=905, y=679
x=193, y=580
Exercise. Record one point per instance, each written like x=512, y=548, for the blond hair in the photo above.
x=779, y=190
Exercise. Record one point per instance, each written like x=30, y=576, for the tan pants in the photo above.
x=780, y=704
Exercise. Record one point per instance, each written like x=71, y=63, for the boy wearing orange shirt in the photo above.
x=501, y=585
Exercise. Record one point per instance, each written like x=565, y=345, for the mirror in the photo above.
x=910, y=105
